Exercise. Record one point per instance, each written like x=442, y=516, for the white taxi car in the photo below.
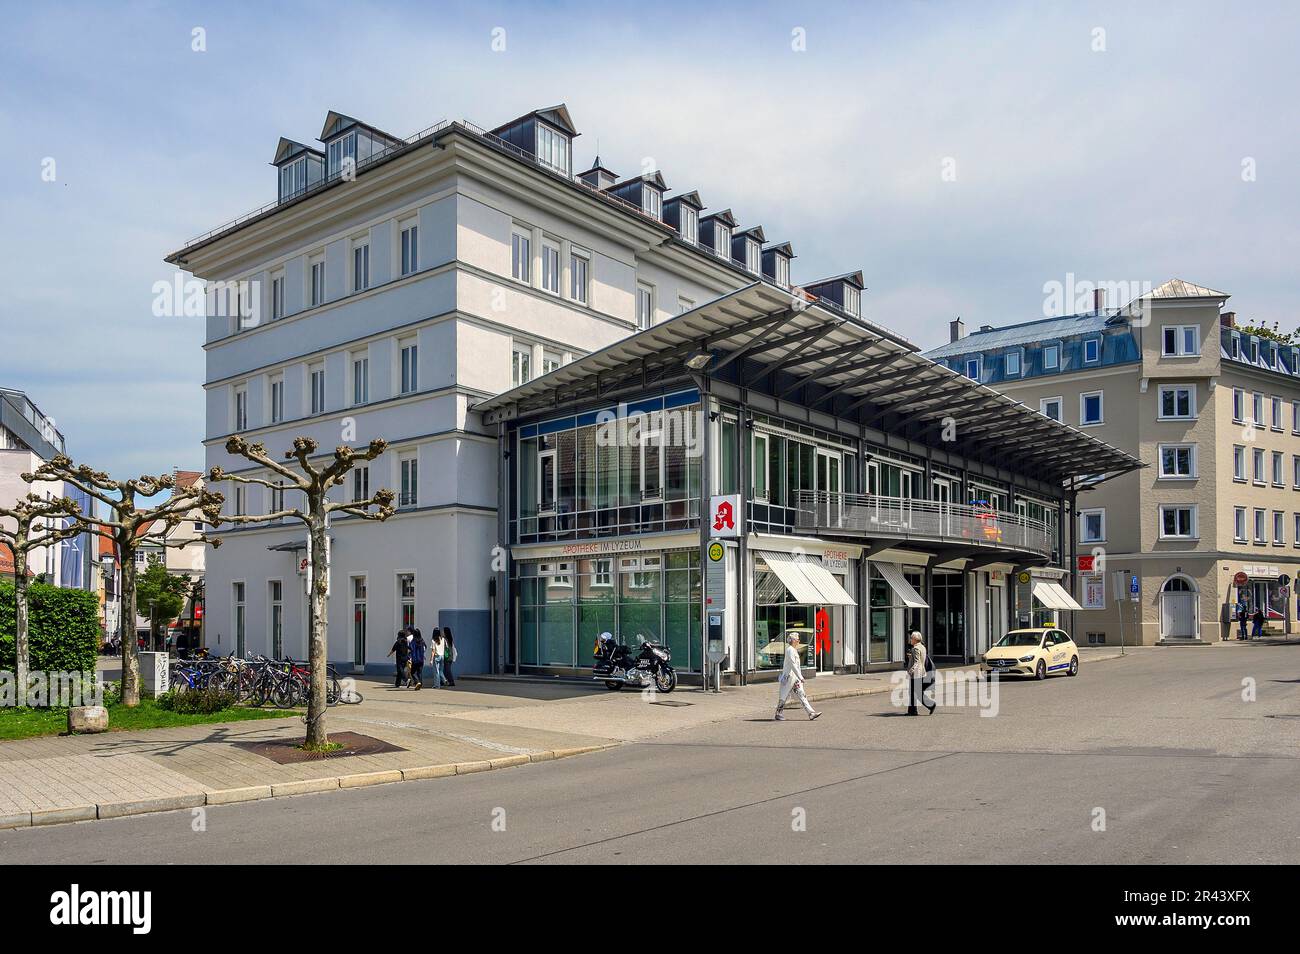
x=1032, y=652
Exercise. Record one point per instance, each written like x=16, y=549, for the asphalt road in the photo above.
x=1156, y=758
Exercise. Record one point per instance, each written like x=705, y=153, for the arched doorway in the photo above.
x=1179, y=609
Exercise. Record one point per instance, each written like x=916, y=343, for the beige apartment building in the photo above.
x=1213, y=412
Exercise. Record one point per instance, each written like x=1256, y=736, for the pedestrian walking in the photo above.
x=792, y=680
x=402, y=652
x=417, y=659
x=449, y=658
x=916, y=671
x=1242, y=616
x=437, y=649
x=1257, y=623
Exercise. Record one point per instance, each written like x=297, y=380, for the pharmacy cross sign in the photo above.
x=724, y=515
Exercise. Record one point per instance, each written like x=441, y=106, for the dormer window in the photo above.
x=553, y=149
x=852, y=300
x=782, y=271
x=293, y=178
x=690, y=227
x=753, y=257
x=652, y=202
x=721, y=239
x=342, y=154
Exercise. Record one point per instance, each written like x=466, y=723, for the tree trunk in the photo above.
x=319, y=582
x=22, y=660
x=126, y=623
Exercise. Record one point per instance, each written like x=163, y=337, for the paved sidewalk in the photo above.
x=477, y=726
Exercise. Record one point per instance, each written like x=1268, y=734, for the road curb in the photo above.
x=230, y=796
x=144, y=806
x=16, y=820
x=61, y=816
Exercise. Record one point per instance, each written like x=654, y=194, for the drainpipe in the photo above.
x=745, y=457
x=1074, y=555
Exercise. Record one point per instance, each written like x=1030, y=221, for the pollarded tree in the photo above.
x=38, y=523
x=314, y=482
x=133, y=526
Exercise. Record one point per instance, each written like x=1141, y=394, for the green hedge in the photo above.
x=63, y=628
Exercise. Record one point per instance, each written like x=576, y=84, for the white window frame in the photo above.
x=1257, y=408
x=521, y=254
x=722, y=240
x=690, y=227
x=1164, y=389
x=1180, y=333
x=550, y=262
x=275, y=398
x=1295, y=471
x=408, y=371
x=1054, y=349
x=580, y=275
x=1239, y=525
x=408, y=247
x=1101, y=408
x=360, y=265
x=1162, y=474
x=1258, y=476
x=1275, y=422
x=1239, y=405
x=1239, y=463
x=754, y=265
x=316, y=387
x=1192, y=529
x=1019, y=355
x=553, y=149
x=1279, y=528
x=781, y=270
x=551, y=361
x=966, y=366
x=408, y=478
x=1083, y=524
x=1096, y=344
x=239, y=408
x=652, y=202
x=316, y=280
x=1261, y=528
x=360, y=483
x=645, y=316
x=1058, y=401
x=1277, y=469
x=521, y=364
x=277, y=295
x=360, y=379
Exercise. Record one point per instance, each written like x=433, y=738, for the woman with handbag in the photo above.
x=437, y=649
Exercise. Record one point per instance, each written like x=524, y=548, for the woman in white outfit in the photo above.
x=792, y=680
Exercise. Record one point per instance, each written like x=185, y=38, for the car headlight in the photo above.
x=1029, y=658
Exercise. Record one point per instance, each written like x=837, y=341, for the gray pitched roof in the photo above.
x=1178, y=288
x=1024, y=333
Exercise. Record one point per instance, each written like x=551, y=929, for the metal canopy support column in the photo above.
x=706, y=490
x=744, y=454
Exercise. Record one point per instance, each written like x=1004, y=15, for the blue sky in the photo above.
x=1122, y=164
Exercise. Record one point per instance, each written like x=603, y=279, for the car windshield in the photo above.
x=1020, y=639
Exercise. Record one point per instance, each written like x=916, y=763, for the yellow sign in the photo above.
x=716, y=551
x=1023, y=578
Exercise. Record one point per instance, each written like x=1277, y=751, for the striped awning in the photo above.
x=898, y=583
x=807, y=580
x=1054, y=596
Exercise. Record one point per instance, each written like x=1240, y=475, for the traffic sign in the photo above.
x=1241, y=579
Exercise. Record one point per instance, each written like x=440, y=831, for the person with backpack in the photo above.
x=449, y=658
x=402, y=652
x=1257, y=623
x=417, y=659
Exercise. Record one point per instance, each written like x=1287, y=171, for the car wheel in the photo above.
x=1074, y=666
x=1040, y=671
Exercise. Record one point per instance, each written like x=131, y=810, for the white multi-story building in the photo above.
x=392, y=284
x=411, y=289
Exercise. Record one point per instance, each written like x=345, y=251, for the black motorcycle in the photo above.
x=616, y=666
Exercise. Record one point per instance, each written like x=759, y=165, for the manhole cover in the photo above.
x=286, y=751
x=673, y=704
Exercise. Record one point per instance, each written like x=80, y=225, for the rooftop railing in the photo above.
x=931, y=521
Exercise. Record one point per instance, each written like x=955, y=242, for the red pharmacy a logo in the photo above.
x=725, y=518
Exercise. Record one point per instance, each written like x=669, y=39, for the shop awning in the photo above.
x=808, y=582
x=898, y=583
x=1054, y=596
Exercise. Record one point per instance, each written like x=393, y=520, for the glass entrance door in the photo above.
x=828, y=483
x=949, y=635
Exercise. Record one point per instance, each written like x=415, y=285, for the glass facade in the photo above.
x=565, y=604
x=635, y=469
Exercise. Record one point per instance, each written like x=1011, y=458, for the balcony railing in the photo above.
x=930, y=521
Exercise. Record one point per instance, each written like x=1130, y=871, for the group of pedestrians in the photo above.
x=411, y=653
x=1256, y=620
x=920, y=671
